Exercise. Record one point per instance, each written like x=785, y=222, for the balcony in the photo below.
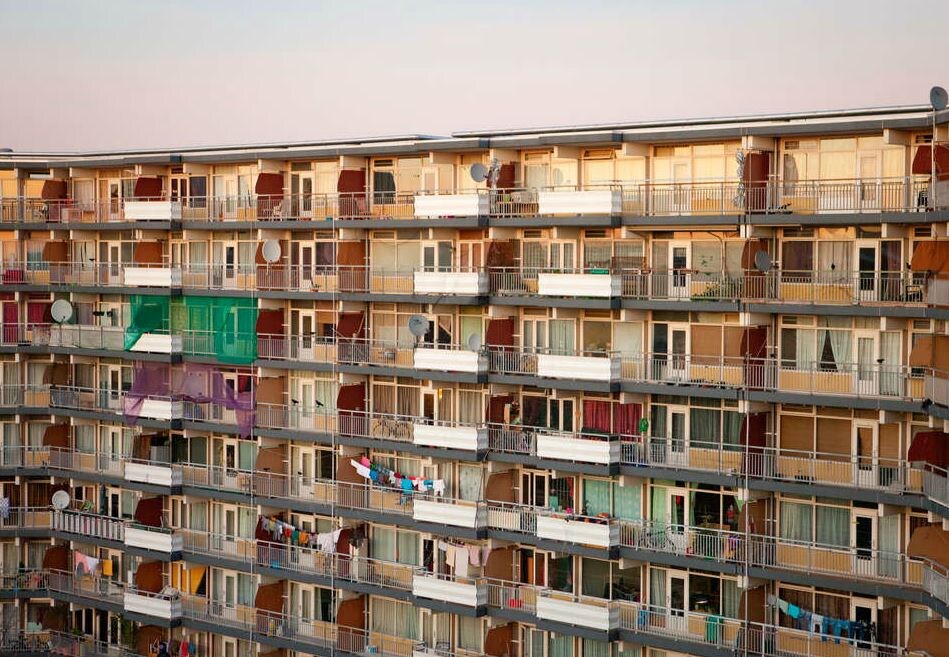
x=97, y=399
x=582, y=530
x=88, y=525
x=470, y=515
x=571, y=202
x=431, y=206
x=91, y=274
x=590, y=284
x=450, y=435
x=450, y=359
x=584, y=447
x=573, y=610
x=449, y=589
x=156, y=539
x=455, y=282
x=152, y=210
x=597, y=365
x=166, y=606
x=153, y=472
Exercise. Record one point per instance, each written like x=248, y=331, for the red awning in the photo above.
x=53, y=190
x=500, y=332
x=56, y=558
x=147, y=187
x=270, y=597
x=349, y=325
x=148, y=577
x=923, y=160
x=56, y=435
x=269, y=184
x=351, y=397
x=148, y=511
x=930, y=447
x=270, y=322
x=351, y=181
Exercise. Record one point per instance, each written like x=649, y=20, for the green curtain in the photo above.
x=596, y=497
x=148, y=314
x=627, y=502
x=226, y=325
x=658, y=511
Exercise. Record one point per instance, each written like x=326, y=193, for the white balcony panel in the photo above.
x=451, y=205
x=162, y=475
x=578, y=531
x=152, y=606
x=160, y=409
x=430, y=435
x=447, y=513
x=158, y=343
x=568, y=448
x=586, y=368
x=576, y=613
x=450, y=282
x=452, y=360
x=597, y=201
x=579, y=285
x=152, y=540
x=152, y=276
x=427, y=586
x=152, y=210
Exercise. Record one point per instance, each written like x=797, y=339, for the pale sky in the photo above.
x=106, y=74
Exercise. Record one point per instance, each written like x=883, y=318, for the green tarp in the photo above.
x=148, y=314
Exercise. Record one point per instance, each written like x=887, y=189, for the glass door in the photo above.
x=866, y=445
x=678, y=442
x=864, y=542
x=679, y=352
x=864, y=612
x=677, y=502
x=301, y=191
x=868, y=270
x=677, y=596
x=867, y=371
x=679, y=283
x=869, y=194
x=682, y=192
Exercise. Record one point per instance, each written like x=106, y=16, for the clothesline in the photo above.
x=383, y=475
x=829, y=626
x=285, y=532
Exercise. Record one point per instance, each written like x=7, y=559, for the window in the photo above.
x=394, y=618
x=245, y=589
x=395, y=545
x=833, y=526
x=796, y=522
x=469, y=633
x=469, y=483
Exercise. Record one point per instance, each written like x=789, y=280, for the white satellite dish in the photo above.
x=61, y=310
x=478, y=172
x=60, y=500
x=762, y=261
x=938, y=98
x=474, y=342
x=270, y=251
x=418, y=325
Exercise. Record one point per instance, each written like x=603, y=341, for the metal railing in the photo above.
x=91, y=273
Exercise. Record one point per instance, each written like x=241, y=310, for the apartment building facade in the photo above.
x=639, y=390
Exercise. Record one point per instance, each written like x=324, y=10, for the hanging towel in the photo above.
x=794, y=611
x=474, y=555
x=442, y=545
x=183, y=649
x=783, y=606
x=438, y=485
x=804, y=620
x=461, y=562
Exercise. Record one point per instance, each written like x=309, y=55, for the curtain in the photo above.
x=596, y=497
x=627, y=502
x=470, y=406
x=657, y=587
x=626, y=418
x=806, y=352
x=839, y=346
x=560, y=645
x=705, y=426
x=198, y=518
x=382, y=543
x=561, y=336
x=890, y=352
x=469, y=633
x=596, y=415
x=834, y=258
x=833, y=526
x=246, y=522
x=469, y=484
x=595, y=580
x=658, y=510
x=889, y=543
x=394, y=618
x=796, y=521
x=731, y=430
x=657, y=421
x=731, y=598
x=407, y=548
x=595, y=648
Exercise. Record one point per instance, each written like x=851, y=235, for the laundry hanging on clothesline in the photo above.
x=284, y=532
x=379, y=474
x=827, y=626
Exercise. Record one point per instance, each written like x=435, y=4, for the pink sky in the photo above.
x=105, y=74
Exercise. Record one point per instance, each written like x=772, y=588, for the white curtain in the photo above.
x=834, y=259
x=805, y=348
x=833, y=526
x=796, y=521
x=839, y=346
x=562, y=336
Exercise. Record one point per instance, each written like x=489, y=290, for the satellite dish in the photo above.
x=478, y=172
x=270, y=251
x=61, y=310
x=762, y=261
x=474, y=342
x=418, y=325
x=60, y=500
x=938, y=98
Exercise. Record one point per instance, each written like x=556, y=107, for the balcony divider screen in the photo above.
x=148, y=315
x=225, y=326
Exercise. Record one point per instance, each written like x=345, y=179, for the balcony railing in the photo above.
x=92, y=273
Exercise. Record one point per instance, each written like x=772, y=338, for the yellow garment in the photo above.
x=107, y=568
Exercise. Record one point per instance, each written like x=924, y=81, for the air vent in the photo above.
x=595, y=233
x=533, y=233
x=923, y=231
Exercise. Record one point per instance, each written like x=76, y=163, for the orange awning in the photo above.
x=349, y=325
x=270, y=598
x=930, y=542
x=931, y=256
x=269, y=184
x=931, y=351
